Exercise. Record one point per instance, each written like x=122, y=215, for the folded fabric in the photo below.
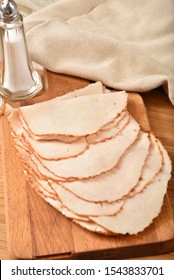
x=28, y=6
x=128, y=45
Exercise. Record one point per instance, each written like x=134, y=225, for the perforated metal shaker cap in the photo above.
x=8, y=11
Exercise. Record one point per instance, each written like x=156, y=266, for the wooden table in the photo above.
x=161, y=116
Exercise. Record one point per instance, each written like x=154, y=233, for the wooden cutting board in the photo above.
x=35, y=230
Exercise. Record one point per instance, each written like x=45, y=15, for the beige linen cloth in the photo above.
x=126, y=44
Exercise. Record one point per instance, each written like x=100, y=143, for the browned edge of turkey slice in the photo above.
x=33, y=135
x=111, y=124
x=146, y=186
x=63, y=138
x=23, y=139
x=50, y=193
x=107, y=137
x=86, y=226
x=77, y=178
x=120, y=199
x=36, y=169
x=51, y=158
x=45, y=197
x=83, y=215
x=131, y=193
x=58, y=178
x=78, y=154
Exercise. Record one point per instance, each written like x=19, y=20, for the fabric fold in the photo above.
x=128, y=45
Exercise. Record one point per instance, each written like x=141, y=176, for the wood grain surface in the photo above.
x=29, y=240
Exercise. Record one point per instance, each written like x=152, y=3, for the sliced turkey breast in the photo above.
x=119, y=181
x=115, y=122
x=85, y=208
x=91, y=89
x=153, y=165
x=42, y=185
x=103, y=135
x=50, y=150
x=63, y=210
x=34, y=163
x=99, y=157
x=86, y=156
x=91, y=226
x=73, y=117
x=53, y=201
x=14, y=121
x=62, y=138
x=56, y=150
x=139, y=211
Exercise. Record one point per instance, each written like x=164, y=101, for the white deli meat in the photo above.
x=98, y=158
x=75, y=116
x=103, y=135
x=50, y=150
x=139, y=211
x=85, y=155
x=85, y=208
x=119, y=181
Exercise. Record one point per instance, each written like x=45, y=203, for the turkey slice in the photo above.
x=85, y=208
x=104, y=135
x=62, y=138
x=43, y=171
x=139, y=211
x=56, y=150
x=94, y=88
x=115, y=122
x=106, y=132
x=37, y=185
x=99, y=157
x=42, y=187
x=117, y=182
x=63, y=210
x=73, y=117
x=91, y=226
x=18, y=125
x=47, y=149
x=13, y=119
x=35, y=166
x=34, y=163
x=91, y=89
x=153, y=165
x=41, y=184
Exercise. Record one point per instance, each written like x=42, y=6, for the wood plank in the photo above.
x=56, y=238
x=16, y=201
x=3, y=233
x=47, y=234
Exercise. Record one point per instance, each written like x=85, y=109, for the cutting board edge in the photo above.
x=116, y=253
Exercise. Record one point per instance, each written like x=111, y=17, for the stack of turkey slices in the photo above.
x=84, y=154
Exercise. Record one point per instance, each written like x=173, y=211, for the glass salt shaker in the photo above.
x=19, y=80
